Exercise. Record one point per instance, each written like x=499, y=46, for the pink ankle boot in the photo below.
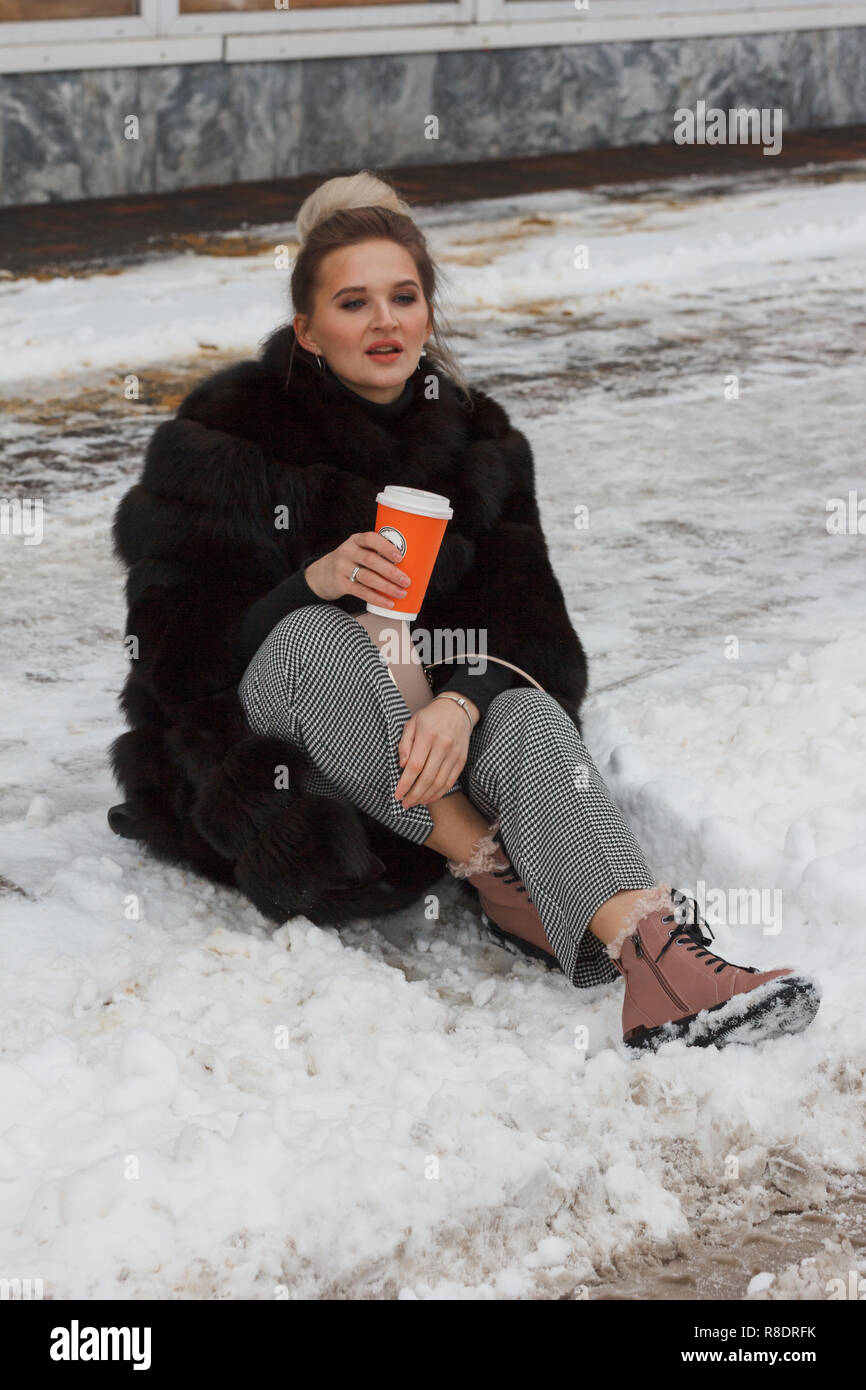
x=514, y=920
x=676, y=988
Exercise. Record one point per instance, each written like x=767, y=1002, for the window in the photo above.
x=41, y=35
x=25, y=11
x=258, y=6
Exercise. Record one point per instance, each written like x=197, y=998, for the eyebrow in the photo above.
x=362, y=289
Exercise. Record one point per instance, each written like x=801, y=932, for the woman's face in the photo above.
x=367, y=293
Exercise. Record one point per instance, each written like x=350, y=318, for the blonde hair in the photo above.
x=363, y=190
x=358, y=207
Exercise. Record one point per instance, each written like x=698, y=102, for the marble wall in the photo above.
x=62, y=133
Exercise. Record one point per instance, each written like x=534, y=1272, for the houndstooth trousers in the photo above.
x=320, y=682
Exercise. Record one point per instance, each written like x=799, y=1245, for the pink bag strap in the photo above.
x=498, y=659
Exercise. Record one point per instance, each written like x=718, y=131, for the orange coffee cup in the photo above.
x=414, y=521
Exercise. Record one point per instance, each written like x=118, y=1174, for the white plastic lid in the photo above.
x=415, y=499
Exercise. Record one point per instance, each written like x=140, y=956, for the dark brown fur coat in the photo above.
x=197, y=534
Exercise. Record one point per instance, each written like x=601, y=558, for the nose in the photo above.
x=384, y=316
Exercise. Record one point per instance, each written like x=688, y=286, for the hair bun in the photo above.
x=362, y=190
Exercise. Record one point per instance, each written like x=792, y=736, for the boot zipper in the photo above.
x=639, y=951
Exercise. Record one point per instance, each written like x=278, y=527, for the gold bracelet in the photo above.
x=449, y=695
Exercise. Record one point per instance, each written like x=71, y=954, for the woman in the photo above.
x=274, y=748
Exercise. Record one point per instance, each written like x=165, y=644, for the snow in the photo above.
x=759, y=1284
x=197, y=1105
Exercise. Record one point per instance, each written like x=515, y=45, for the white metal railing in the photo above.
x=161, y=35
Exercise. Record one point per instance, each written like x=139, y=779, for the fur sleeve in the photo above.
x=194, y=535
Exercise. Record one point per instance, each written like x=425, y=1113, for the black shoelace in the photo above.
x=508, y=873
x=690, y=935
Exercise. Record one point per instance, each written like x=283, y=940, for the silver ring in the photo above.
x=354, y=572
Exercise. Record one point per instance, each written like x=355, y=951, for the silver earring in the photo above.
x=320, y=362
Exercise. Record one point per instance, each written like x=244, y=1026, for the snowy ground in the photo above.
x=193, y=1104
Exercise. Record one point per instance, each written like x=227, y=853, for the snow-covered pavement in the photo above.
x=193, y=1104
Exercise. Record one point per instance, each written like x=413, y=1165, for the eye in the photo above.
x=347, y=303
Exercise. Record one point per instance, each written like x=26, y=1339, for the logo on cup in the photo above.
x=395, y=537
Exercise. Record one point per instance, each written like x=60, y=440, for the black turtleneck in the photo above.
x=380, y=410
x=294, y=591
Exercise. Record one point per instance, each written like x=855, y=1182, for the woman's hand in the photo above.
x=379, y=580
x=432, y=751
